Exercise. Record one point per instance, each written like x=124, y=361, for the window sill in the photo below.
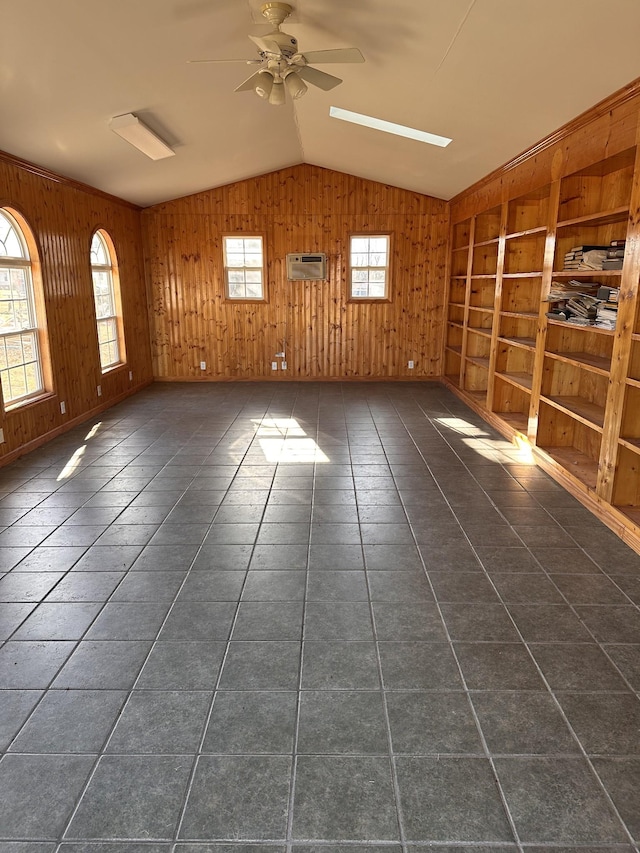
x=355, y=300
x=113, y=367
x=238, y=301
x=21, y=405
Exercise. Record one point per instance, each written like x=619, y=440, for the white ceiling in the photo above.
x=496, y=75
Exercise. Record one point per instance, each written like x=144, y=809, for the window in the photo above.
x=369, y=267
x=105, y=295
x=244, y=267
x=21, y=372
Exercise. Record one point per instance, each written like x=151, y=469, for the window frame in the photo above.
x=30, y=262
x=242, y=235
x=350, y=267
x=116, y=300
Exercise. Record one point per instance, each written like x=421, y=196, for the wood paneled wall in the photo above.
x=300, y=209
x=63, y=217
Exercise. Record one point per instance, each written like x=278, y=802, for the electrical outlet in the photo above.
x=203, y=365
x=283, y=366
x=274, y=365
x=410, y=365
x=279, y=355
x=63, y=407
x=1, y=436
x=99, y=390
x=131, y=376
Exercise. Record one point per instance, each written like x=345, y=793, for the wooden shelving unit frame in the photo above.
x=572, y=393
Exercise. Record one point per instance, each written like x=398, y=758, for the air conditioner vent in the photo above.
x=307, y=267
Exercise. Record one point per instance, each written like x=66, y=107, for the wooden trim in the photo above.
x=617, y=99
x=245, y=235
x=47, y=174
x=387, y=294
x=54, y=433
x=421, y=380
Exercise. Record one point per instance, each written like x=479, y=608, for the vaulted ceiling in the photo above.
x=495, y=75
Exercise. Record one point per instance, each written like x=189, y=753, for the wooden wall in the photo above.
x=300, y=209
x=63, y=216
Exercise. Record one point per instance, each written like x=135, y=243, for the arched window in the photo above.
x=106, y=296
x=21, y=371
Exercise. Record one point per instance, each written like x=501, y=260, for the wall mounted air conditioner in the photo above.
x=307, y=267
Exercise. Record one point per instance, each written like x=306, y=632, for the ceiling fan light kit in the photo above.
x=281, y=61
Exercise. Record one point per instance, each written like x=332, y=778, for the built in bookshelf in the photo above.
x=543, y=317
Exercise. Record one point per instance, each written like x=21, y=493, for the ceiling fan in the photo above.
x=282, y=66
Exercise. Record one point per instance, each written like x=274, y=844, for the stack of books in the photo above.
x=586, y=257
x=615, y=256
x=607, y=314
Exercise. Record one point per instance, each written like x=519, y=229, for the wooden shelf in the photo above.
x=461, y=248
x=484, y=308
x=540, y=229
x=517, y=420
x=525, y=343
x=630, y=443
x=592, y=330
x=457, y=350
x=456, y=324
x=635, y=383
x=528, y=315
x=491, y=242
x=578, y=274
x=522, y=275
x=603, y=217
x=631, y=512
x=576, y=463
x=584, y=359
x=480, y=396
x=479, y=331
x=480, y=361
x=586, y=412
x=457, y=304
x=484, y=275
x=520, y=380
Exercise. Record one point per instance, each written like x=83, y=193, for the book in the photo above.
x=620, y=243
x=612, y=264
x=615, y=253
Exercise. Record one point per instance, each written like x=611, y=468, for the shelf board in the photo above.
x=478, y=330
x=634, y=383
x=461, y=248
x=584, y=359
x=577, y=407
x=635, y=336
x=522, y=275
x=455, y=323
x=596, y=330
x=632, y=513
x=539, y=229
x=480, y=396
x=520, y=380
x=456, y=350
x=518, y=420
x=630, y=443
x=457, y=304
x=481, y=308
x=478, y=360
x=602, y=217
x=490, y=242
x=484, y=275
x=526, y=315
x=577, y=274
x=575, y=462
x=458, y=277
x=524, y=343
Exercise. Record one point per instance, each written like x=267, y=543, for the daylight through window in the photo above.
x=244, y=267
x=104, y=295
x=20, y=360
x=369, y=267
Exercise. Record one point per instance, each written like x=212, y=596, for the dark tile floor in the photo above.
x=310, y=616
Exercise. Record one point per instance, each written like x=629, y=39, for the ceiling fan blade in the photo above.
x=249, y=83
x=266, y=44
x=341, y=54
x=318, y=78
x=243, y=61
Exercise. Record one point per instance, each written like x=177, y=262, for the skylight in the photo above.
x=389, y=127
